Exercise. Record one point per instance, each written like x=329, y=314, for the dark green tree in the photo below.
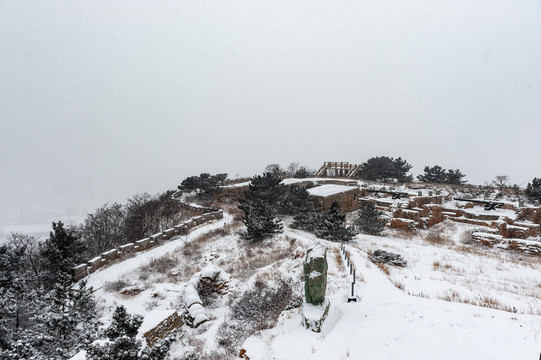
x=303, y=172
x=260, y=205
x=437, y=174
x=455, y=177
x=61, y=252
x=123, y=344
x=294, y=200
x=333, y=226
x=266, y=187
x=434, y=174
x=533, y=190
x=204, y=185
x=308, y=218
x=386, y=169
x=369, y=220
x=294, y=170
x=260, y=221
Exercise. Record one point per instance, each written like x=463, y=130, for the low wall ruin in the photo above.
x=207, y=214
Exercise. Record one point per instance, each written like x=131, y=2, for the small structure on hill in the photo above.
x=338, y=169
x=347, y=197
x=315, y=307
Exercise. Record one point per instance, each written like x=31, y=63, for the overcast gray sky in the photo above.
x=100, y=100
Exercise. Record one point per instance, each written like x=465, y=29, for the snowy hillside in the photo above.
x=452, y=301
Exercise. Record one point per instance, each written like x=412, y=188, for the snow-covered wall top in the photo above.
x=328, y=190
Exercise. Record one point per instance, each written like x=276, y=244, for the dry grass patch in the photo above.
x=437, y=266
x=404, y=234
x=434, y=236
x=338, y=258
x=383, y=268
x=116, y=285
x=254, y=256
x=398, y=284
x=194, y=248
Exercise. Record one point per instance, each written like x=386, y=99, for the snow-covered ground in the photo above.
x=387, y=323
x=401, y=315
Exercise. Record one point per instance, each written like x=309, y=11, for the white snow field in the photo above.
x=386, y=323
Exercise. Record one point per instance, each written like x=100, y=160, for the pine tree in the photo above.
x=455, y=177
x=61, y=251
x=204, y=185
x=260, y=221
x=386, y=169
x=369, y=220
x=158, y=352
x=265, y=187
x=533, y=190
x=17, y=296
x=308, y=218
x=294, y=200
x=122, y=344
x=123, y=324
x=434, y=174
x=260, y=206
x=333, y=226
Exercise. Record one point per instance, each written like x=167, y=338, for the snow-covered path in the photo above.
x=389, y=324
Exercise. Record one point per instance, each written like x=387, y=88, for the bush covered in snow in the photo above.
x=384, y=257
x=258, y=308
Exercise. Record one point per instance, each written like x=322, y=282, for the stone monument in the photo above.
x=315, y=307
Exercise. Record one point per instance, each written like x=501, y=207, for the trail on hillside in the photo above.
x=389, y=324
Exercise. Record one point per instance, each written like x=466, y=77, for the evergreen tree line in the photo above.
x=266, y=200
x=43, y=317
x=388, y=169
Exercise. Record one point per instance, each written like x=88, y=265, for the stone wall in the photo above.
x=526, y=246
x=423, y=217
x=207, y=214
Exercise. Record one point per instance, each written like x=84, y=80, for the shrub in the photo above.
x=258, y=308
x=384, y=257
x=436, y=237
x=116, y=285
x=467, y=237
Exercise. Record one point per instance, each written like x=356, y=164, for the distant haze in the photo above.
x=100, y=100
